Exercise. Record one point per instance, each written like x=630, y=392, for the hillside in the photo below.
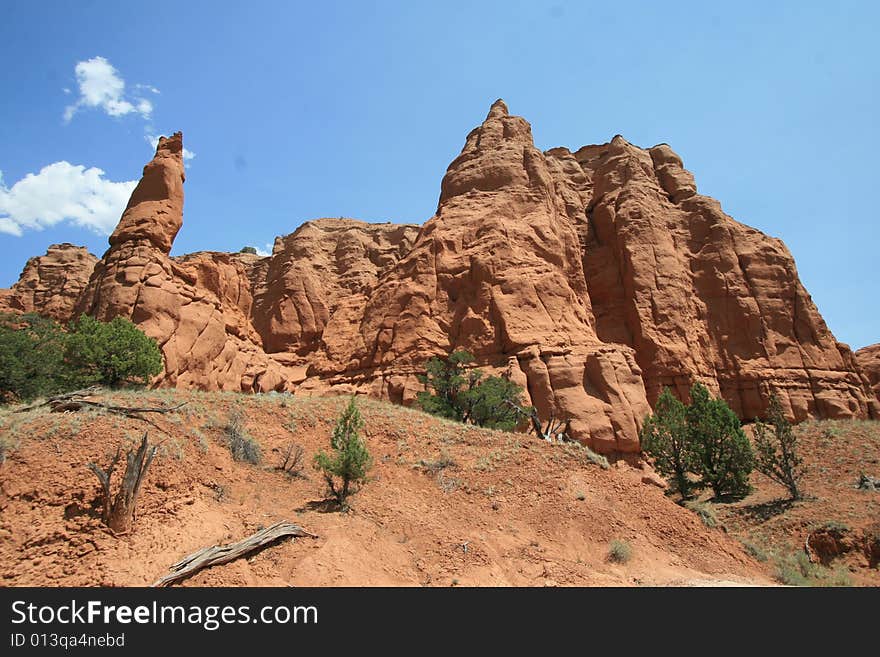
x=447, y=505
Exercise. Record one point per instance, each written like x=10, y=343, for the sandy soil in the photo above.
x=447, y=504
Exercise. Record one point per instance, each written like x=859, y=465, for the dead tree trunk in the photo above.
x=118, y=513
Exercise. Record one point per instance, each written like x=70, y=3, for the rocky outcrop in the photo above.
x=698, y=295
x=317, y=282
x=592, y=278
x=498, y=271
x=51, y=284
x=868, y=359
x=196, y=307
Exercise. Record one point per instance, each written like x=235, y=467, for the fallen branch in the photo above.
x=220, y=554
x=70, y=405
x=73, y=401
x=60, y=398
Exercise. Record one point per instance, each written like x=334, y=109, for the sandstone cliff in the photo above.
x=51, y=284
x=868, y=359
x=593, y=278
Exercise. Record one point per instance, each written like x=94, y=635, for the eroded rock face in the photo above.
x=868, y=359
x=196, y=307
x=592, y=278
x=498, y=271
x=51, y=284
x=311, y=296
x=698, y=295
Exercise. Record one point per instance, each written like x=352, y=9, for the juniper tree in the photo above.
x=724, y=456
x=777, y=450
x=665, y=437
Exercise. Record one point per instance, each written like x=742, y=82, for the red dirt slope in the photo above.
x=447, y=505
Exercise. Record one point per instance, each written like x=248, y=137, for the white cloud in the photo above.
x=63, y=192
x=101, y=86
x=153, y=141
x=267, y=251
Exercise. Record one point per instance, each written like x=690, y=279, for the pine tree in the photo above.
x=349, y=460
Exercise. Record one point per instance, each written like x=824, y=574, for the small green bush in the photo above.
x=111, y=353
x=619, y=551
x=38, y=357
x=32, y=358
x=704, y=438
x=349, y=461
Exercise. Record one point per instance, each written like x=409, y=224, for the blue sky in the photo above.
x=298, y=110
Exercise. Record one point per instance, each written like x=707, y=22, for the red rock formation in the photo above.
x=51, y=284
x=592, y=278
x=498, y=271
x=868, y=359
x=196, y=307
x=698, y=295
x=321, y=274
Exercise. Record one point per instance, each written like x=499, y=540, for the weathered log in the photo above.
x=73, y=401
x=220, y=554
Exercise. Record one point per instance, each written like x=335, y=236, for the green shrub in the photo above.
x=349, y=460
x=461, y=394
x=704, y=438
x=32, y=358
x=665, y=437
x=723, y=452
x=777, y=453
x=249, y=249
x=619, y=551
x=38, y=357
x=111, y=353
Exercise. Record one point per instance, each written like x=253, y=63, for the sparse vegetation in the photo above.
x=776, y=449
x=441, y=463
x=452, y=391
x=597, y=459
x=292, y=462
x=240, y=442
x=349, y=460
x=704, y=512
x=619, y=551
x=797, y=570
x=118, y=511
